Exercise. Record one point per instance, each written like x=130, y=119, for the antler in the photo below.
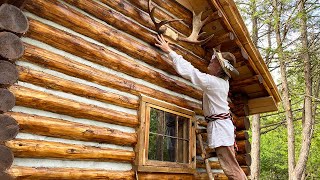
x=159, y=26
x=196, y=28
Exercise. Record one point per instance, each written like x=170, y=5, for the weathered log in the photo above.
x=6, y=158
x=122, y=22
x=43, y=173
x=53, y=61
x=45, y=101
x=8, y=128
x=256, y=79
x=204, y=176
x=171, y=176
x=102, y=56
x=12, y=19
x=8, y=74
x=244, y=146
x=18, y=3
x=45, y=149
x=227, y=37
x=5, y=176
x=244, y=159
x=240, y=110
x=246, y=170
x=213, y=164
x=101, y=33
x=11, y=47
x=46, y=126
x=60, y=84
x=7, y=100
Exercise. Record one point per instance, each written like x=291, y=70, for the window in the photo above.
x=166, y=138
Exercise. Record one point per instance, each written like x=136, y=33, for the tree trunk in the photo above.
x=307, y=131
x=285, y=93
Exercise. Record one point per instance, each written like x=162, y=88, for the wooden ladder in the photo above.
x=203, y=153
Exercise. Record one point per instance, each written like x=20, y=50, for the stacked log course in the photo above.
x=13, y=24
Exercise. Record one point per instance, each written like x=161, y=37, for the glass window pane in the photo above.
x=170, y=129
x=156, y=121
x=156, y=143
x=169, y=149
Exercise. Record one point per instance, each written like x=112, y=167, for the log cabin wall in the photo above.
x=84, y=66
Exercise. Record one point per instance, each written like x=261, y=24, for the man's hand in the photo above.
x=162, y=44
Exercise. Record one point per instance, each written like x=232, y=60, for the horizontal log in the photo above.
x=45, y=149
x=240, y=110
x=104, y=57
x=216, y=165
x=11, y=47
x=171, y=176
x=9, y=128
x=48, y=102
x=12, y=19
x=6, y=158
x=122, y=22
x=18, y=3
x=224, y=38
x=102, y=33
x=67, y=66
x=46, y=126
x=244, y=159
x=7, y=100
x=8, y=74
x=204, y=176
x=246, y=170
x=43, y=173
x=244, y=146
x=60, y=84
x=256, y=79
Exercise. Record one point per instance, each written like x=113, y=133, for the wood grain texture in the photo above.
x=8, y=74
x=52, y=127
x=40, y=100
x=60, y=84
x=43, y=173
x=67, y=66
x=9, y=128
x=105, y=57
x=11, y=46
x=12, y=19
x=55, y=150
x=7, y=100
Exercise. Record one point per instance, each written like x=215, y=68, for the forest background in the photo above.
x=287, y=34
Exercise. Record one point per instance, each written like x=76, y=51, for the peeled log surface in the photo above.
x=42, y=173
x=7, y=100
x=244, y=159
x=45, y=149
x=240, y=135
x=204, y=176
x=12, y=19
x=67, y=66
x=122, y=22
x=8, y=74
x=40, y=100
x=102, y=33
x=46, y=126
x=11, y=47
x=153, y=176
x=18, y=3
x=104, y=57
x=244, y=146
x=9, y=128
x=60, y=84
x=6, y=158
x=213, y=164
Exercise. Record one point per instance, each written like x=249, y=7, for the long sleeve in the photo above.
x=186, y=70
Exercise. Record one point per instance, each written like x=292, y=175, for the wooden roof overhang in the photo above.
x=232, y=35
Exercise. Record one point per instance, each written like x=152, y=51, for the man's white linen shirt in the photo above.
x=215, y=94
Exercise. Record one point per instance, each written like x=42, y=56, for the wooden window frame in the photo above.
x=142, y=163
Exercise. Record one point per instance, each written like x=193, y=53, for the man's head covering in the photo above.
x=227, y=61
